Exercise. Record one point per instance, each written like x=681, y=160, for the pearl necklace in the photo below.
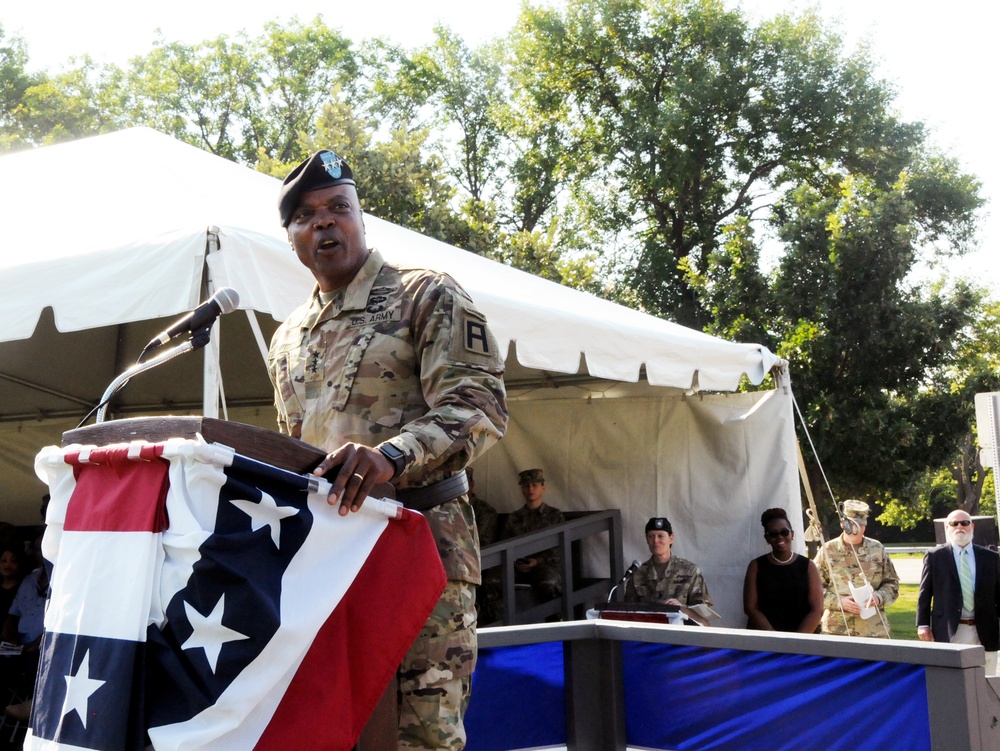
x=776, y=562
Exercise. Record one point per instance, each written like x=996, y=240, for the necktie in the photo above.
x=965, y=575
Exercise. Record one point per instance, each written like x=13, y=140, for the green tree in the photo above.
x=39, y=108
x=883, y=366
x=240, y=98
x=396, y=181
x=14, y=81
x=945, y=410
x=688, y=117
x=506, y=157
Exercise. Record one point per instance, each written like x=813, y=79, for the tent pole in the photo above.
x=211, y=374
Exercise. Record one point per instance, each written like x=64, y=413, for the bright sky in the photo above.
x=941, y=55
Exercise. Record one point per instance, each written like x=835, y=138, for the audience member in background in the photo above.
x=486, y=515
x=24, y=625
x=11, y=574
x=543, y=571
x=960, y=591
x=666, y=579
x=489, y=595
x=782, y=590
x=853, y=560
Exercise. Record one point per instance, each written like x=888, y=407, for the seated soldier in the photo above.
x=489, y=594
x=666, y=579
x=486, y=515
x=543, y=571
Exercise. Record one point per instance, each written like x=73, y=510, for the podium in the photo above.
x=261, y=445
x=640, y=612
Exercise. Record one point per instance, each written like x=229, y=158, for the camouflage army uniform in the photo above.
x=877, y=566
x=546, y=576
x=681, y=581
x=486, y=519
x=489, y=597
x=403, y=355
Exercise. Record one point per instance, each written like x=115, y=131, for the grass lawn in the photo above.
x=902, y=614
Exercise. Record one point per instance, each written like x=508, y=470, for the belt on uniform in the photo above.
x=429, y=496
x=967, y=621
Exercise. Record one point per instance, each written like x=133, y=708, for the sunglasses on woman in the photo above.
x=774, y=534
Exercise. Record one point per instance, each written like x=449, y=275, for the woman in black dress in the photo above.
x=782, y=589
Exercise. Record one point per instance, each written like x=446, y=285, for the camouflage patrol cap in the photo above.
x=856, y=510
x=321, y=170
x=659, y=523
x=529, y=476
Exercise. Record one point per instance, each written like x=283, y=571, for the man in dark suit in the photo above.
x=960, y=591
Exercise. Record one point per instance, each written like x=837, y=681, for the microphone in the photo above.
x=628, y=573
x=225, y=300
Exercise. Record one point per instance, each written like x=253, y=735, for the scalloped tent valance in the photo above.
x=110, y=230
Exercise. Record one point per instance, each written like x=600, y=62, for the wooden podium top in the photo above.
x=640, y=612
x=249, y=440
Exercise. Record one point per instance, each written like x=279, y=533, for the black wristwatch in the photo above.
x=394, y=455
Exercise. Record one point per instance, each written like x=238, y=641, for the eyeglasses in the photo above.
x=776, y=533
x=960, y=523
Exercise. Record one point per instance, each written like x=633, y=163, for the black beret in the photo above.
x=321, y=170
x=659, y=523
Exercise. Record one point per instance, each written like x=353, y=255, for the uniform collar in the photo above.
x=352, y=297
x=356, y=293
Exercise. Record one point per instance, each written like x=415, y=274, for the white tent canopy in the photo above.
x=127, y=212
x=110, y=234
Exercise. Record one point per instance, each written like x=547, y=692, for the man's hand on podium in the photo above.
x=359, y=469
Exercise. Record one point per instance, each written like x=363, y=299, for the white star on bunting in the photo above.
x=209, y=633
x=79, y=689
x=267, y=513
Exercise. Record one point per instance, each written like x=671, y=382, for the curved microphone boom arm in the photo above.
x=198, y=324
x=628, y=575
x=195, y=342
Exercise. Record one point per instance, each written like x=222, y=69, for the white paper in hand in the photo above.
x=861, y=595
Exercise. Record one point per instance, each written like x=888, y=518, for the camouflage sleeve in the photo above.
x=280, y=383
x=512, y=526
x=461, y=371
x=552, y=556
x=630, y=594
x=486, y=523
x=637, y=585
x=699, y=590
x=888, y=590
x=831, y=599
x=286, y=404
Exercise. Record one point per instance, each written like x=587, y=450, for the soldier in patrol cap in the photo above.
x=853, y=560
x=666, y=579
x=394, y=371
x=542, y=570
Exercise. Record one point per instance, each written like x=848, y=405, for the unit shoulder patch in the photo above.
x=474, y=343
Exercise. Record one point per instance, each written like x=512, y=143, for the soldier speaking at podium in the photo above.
x=394, y=371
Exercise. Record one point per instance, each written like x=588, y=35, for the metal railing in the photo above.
x=578, y=592
x=962, y=707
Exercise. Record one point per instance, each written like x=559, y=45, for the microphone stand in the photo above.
x=198, y=340
x=628, y=575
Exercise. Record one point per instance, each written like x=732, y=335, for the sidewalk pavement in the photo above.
x=908, y=569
